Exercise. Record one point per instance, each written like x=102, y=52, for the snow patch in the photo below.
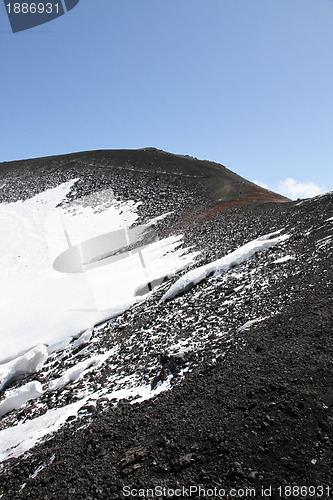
x=153, y=221
x=72, y=374
x=283, y=259
x=222, y=265
x=18, y=439
x=139, y=393
x=83, y=339
x=249, y=323
x=79, y=370
x=42, y=467
x=30, y=362
x=59, y=346
x=18, y=397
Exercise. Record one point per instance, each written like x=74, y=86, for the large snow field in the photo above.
x=41, y=305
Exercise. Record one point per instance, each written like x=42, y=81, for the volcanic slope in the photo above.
x=227, y=381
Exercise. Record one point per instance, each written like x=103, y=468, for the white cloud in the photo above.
x=293, y=189
x=261, y=184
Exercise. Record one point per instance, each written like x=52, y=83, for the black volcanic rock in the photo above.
x=211, y=181
x=254, y=407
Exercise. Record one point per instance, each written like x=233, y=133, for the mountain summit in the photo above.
x=215, y=181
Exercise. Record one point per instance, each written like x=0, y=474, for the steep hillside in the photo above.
x=218, y=375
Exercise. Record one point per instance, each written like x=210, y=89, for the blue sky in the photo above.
x=246, y=83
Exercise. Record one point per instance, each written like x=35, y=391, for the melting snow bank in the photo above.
x=243, y=253
x=16, y=440
x=79, y=370
x=30, y=362
x=83, y=339
x=72, y=374
x=19, y=396
x=141, y=393
x=56, y=305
